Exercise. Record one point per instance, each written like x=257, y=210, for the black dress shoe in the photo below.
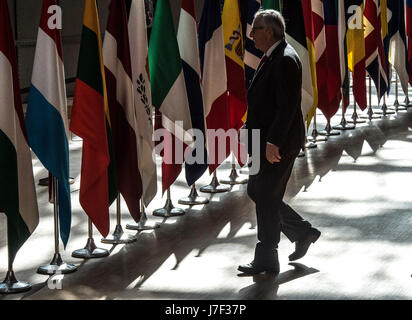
x=252, y=268
x=302, y=246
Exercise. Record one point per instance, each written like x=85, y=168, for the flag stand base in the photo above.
x=244, y=171
x=329, y=131
x=397, y=106
x=370, y=115
x=214, y=187
x=90, y=251
x=119, y=237
x=355, y=118
x=233, y=178
x=384, y=111
x=344, y=125
x=310, y=145
x=11, y=285
x=407, y=102
x=315, y=137
x=141, y=225
x=193, y=198
x=57, y=266
x=168, y=210
x=301, y=154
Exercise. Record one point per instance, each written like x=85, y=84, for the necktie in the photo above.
x=262, y=61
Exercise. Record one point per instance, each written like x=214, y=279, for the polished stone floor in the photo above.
x=356, y=188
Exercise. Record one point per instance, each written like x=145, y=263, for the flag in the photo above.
x=398, y=52
x=408, y=8
x=142, y=98
x=17, y=192
x=343, y=55
x=252, y=55
x=235, y=67
x=321, y=57
x=334, y=80
x=386, y=15
x=189, y=51
x=213, y=66
x=235, y=70
x=120, y=96
x=355, y=42
x=271, y=4
x=296, y=36
x=46, y=116
x=310, y=42
x=88, y=121
x=168, y=88
x=374, y=53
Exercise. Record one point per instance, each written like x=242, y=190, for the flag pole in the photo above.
x=118, y=236
x=141, y=225
x=90, y=250
x=396, y=104
x=370, y=115
x=315, y=134
x=168, y=210
x=407, y=102
x=56, y=265
x=233, y=177
x=10, y=283
x=309, y=143
x=344, y=125
x=214, y=186
x=328, y=131
x=355, y=119
x=193, y=198
x=384, y=109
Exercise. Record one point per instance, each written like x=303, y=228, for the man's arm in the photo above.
x=287, y=94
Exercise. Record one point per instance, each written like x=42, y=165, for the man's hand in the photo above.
x=272, y=153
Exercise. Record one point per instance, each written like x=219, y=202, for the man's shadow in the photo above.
x=266, y=286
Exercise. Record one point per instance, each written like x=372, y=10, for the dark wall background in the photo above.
x=26, y=16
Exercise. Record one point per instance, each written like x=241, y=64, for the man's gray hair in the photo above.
x=273, y=19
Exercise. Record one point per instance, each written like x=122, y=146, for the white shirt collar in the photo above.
x=272, y=48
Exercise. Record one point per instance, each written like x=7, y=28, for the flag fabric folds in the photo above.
x=214, y=80
x=46, y=116
x=408, y=8
x=334, y=81
x=235, y=71
x=374, y=53
x=189, y=52
x=120, y=96
x=319, y=34
x=88, y=121
x=310, y=41
x=398, y=51
x=385, y=15
x=17, y=192
x=355, y=42
x=343, y=55
x=235, y=67
x=252, y=55
x=142, y=98
x=296, y=36
x=271, y=4
x=168, y=88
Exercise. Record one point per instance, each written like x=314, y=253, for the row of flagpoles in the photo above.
x=198, y=77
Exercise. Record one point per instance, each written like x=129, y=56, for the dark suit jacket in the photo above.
x=274, y=102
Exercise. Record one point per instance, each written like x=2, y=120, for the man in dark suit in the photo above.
x=274, y=107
